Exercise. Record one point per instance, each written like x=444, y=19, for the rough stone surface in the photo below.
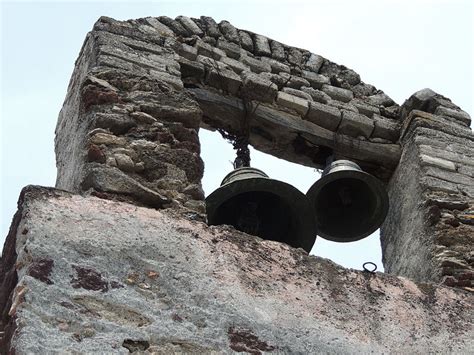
x=336, y=93
x=296, y=103
x=355, y=125
x=427, y=225
x=97, y=276
x=324, y=116
x=257, y=88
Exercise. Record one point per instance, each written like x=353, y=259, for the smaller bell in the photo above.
x=349, y=203
x=270, y=209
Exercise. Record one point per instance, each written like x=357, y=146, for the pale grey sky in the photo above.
x=398, y=46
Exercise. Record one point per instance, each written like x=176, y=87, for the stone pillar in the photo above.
x=429, y=231
x=128, y=130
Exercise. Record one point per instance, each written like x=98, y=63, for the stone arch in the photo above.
x=142, y=88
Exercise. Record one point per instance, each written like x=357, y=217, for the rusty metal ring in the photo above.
x=370, y=263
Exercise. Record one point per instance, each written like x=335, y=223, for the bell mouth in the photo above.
x=267, y=208
x=349, y=204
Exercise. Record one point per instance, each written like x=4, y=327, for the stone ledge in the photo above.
x=111, y=274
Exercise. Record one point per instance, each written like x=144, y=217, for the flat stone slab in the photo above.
x=104, y=277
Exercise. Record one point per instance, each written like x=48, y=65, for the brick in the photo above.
x=339, y=94
x=255, y=87
x=293, y=102
x=324, y=116
x=261, y=45
x=355, y=125
x=316, y=80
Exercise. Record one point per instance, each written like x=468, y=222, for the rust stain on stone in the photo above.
x=89, y=279
x=41, y=270
x=243, y=340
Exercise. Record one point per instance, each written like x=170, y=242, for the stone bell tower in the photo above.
x=118, y=257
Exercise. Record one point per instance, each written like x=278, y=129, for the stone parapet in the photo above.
x=88, y=275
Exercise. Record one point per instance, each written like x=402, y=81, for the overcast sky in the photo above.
x=398, y=46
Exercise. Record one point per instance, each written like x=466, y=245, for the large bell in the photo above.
x=253, y=203
x=349, y=203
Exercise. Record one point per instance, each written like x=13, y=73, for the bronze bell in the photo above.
x=270, y=209
x=349, y=203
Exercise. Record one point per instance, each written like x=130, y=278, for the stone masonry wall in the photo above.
x=429, y=232
x=98, y=276
x=142, y=88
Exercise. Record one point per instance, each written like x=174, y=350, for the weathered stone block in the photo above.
x=190, y=25
x=380, y=100
x=236, y=66
x=231, y=49
x=293, y=102
x=386, y=128
x=161, y=28
x=278, y=50
x=324, y=116
x=298, y=93
x=459, y=115
x=355, y=125
x=339, y=94
x=294, y=81
x=174, y=25
x=343, y=106
x=246, y=41
x=207, y=50
x=212, y=29
x=316, y=80
x=224, y=79
x=438, y=162
x=317, y=95
x=257, y=66
x=229, y=31
x=191, y=68
x=314, y=62
x=366, y=109
x=189, y=52
x=254, y=87
x=294, y=56
x=277, y=67
x=261, y=46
